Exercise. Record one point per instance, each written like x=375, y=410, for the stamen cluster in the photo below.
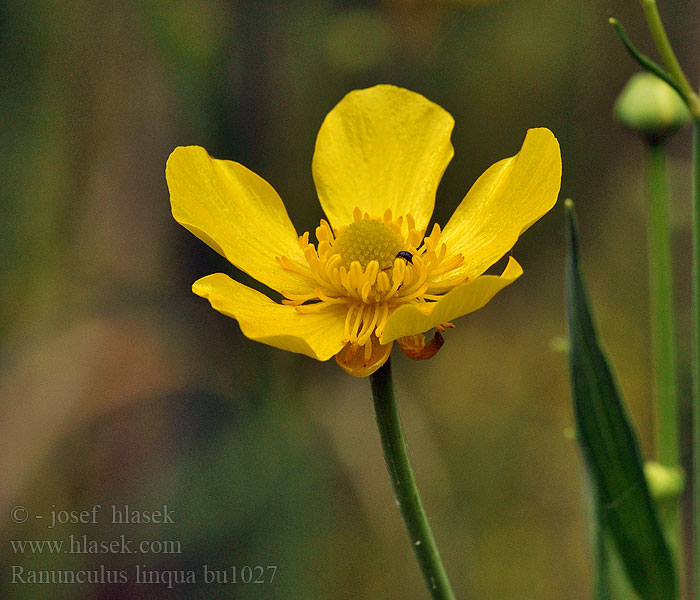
x=358, y=266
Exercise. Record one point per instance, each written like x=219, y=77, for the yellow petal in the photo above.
x=411, y=319
x=508, y=198
x=383, y=147
x=235, y=212
x=317, y=334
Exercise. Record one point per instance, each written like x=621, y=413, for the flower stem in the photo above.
x=663, y=335
x=663, y=45
x=404, y=483
x=663, y=329
x=696, y=351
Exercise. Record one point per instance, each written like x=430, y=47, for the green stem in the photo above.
x=696, y=351
x=405, y=488
x=663, y=335
x=663, y=329
x=663, y=45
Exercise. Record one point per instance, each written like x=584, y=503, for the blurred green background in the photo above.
x=118, y=385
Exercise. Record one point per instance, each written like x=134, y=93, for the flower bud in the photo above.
x=664, y=482
x=650, y=107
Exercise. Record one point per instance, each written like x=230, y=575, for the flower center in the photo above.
x=367, y=240
x=370, y=267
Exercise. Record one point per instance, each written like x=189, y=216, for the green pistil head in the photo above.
x=367, y=240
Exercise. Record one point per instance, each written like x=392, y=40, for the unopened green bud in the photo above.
x=664, y=482
x=650, y=107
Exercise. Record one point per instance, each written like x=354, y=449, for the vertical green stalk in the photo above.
x=696, y=352
x=663, y=328
x=404, y=483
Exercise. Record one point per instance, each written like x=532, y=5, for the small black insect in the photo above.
x=407, y=256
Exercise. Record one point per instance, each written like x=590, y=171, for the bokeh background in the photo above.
x=119, y=386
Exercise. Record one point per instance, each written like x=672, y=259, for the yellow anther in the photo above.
x=383, y=282
x=372, y=271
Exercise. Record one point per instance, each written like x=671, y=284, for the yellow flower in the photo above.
x=373, y=277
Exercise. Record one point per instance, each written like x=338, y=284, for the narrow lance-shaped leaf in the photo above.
x=611, y=449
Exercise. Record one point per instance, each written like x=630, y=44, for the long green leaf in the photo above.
x=610, y=448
